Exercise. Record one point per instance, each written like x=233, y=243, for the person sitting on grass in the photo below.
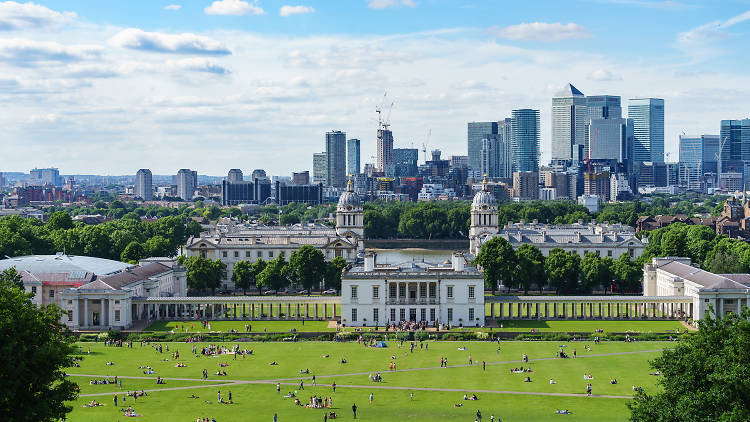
x=459, y=404
x=613, y=381
x=563, y=412
x=528, y=379
x=273, y=363
x=193, y=396
x=110, y=363
x=552, y=381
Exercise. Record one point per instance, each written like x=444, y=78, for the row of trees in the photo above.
x=306, y=267
x=125, y=239
x=565, y=272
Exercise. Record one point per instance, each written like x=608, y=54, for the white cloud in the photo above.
x=699, y=42
x=199, y=64
x=186, y=43
x=385, y=4
x=24, y=52
x=14, y=16
x=542, y=31
x=233, y=7
x=604, y=75
x=172, y=7
x=295, y=10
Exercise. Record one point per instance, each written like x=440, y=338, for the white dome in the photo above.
x=350, y=199
x=483, y=197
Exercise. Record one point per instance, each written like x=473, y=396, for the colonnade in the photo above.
x=559, y=307
x=154, y=309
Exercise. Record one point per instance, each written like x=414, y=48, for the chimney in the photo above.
x=370, y=261
x=458, y=261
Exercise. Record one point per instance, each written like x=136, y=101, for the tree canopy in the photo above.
x=498, y=260
x=309, y=266
x=203, y=273
x=36, y=347
x=705, y=377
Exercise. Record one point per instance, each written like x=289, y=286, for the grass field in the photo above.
x=252, y=381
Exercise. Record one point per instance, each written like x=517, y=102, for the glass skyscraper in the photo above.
x=648, y=129
x=569, y=124
x=603, y=107
x=352, y=156
x=736, y=134
x=476, y=132
x=405, y=162
x=525, y=140
x=336, y=158
x=697, y=157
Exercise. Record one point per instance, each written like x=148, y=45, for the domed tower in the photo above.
x=483, y=218
x=349, y=214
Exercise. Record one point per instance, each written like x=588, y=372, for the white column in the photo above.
x=85, y=312
x=77, y=316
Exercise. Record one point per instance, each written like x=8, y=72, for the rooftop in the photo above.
x=61, y=263
x=707, y=280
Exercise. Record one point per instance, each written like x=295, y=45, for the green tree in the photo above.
x=12, y=276
x=37, y=348
x=309, y=266
x=333, y=273
x=498, y=261
x=203, y=273
x=705, y=377
x=273, y=277
x=562, y=269
x=626, y=273
x=596, y=271
x=193, y=228
x=288, y=219
x=243, y=275
x=59, y=220
x=258, y=267
x=159, y=246
x=134, y=252
x=673, y=241
x=529, y=267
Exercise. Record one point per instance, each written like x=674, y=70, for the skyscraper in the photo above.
x=736, y=135
x=352, y=156
x=336, y=158
x=234, y=176
x=186, y=184
x=496, y=156
x=385, y=150
x=405, y=162
x=648, y=129
x=525, y=140
x=505, y=128
x=476, y=131
x=46, y=176
x=603, y=107
x=569, y=125
x=610, y=139
x=697, y=157
x=143, y=188
x=320, y=168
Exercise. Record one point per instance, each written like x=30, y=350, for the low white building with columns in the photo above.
x=378, y=294
x=674, y=276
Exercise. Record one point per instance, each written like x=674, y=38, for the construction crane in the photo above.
x=424, y=144
x=384, y=123
x=722, y=143
x=588, y=153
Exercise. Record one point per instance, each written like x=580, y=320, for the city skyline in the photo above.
x=96, y=89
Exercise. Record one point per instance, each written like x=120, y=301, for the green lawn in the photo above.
x=252, y=381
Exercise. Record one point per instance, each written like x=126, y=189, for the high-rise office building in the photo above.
x=525, y=140
x=143, y=187
x=385, y=150
x=46, y=176
x=234, y=176
x=491, y=145
x=476, y=131
x=569, y=125
x=526, y=185
x=697, y=157
x=2, y=180
x=610, y=139
x=603, y=107
x=736, y=137
x=597, y=183
x=301, y=178
x=405, y=162
x=258, y=174
x=336, y=159
x=320, y=168
x=352, y=156
x=648, y=129
x=186, y=184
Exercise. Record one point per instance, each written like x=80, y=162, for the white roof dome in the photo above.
x=350, y=198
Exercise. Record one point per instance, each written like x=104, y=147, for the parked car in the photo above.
x=330, y=292
x=302, y=292
x=269, y=292
x=290, y=291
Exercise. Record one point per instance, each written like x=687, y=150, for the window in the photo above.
x=270, y=254
x=393, y=315
x=609, y=252
x=247, y=254
x=33, y=289
x=354, y=292
x=432, y=314
x=375, y=314
x=402, y=314
x=402, y=290
x=375, y=292
x=236, y=254
x=423, y=314
x=422, y=290
x=471, y=314
x=117, y=315
x=70, y=316
x=117, y=302
x=392, y=288
x=224, y=254
x=471, y=292
x=450, y=292
x=450, y=314
x=432, y=290
x=260, y=254
x=282, y=253
x=354, y=314
x=51, y=294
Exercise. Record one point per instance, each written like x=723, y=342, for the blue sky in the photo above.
x=112, y=86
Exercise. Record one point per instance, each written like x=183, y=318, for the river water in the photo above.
x=397, y=256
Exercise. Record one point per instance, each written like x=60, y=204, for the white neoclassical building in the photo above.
x=672, y=276
x=235, y=243
x=484, y=222
x=378, y=294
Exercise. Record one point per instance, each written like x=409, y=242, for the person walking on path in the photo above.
x=354, y=410
x=479, y=415
x=115, y=399
x=313, y=379
x=484, y=366
x=411, y=396
x=370, y=398
x=334, y=386
x=588, y=390
x=301, y=385
x=275, y=418
x=278, y=388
